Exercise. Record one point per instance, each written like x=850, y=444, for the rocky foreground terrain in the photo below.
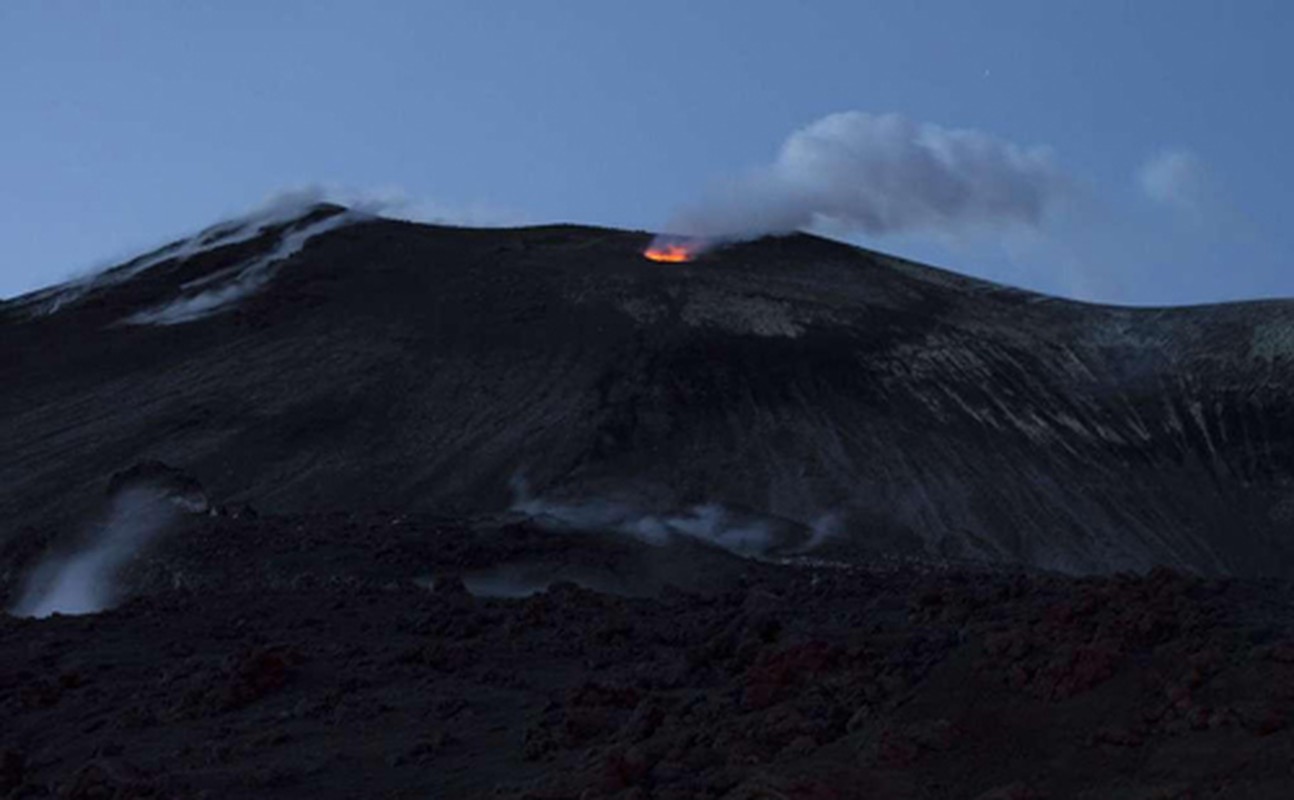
x=401, y=657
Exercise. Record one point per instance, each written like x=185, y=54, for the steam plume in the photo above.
x=283, y=208
x=882, y=174
x=85, y=582
x=737, y=532
x=231, y=285
x=1174, y=177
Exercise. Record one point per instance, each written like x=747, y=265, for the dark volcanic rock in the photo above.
x=768, y=681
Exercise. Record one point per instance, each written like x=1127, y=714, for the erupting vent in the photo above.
x=670, y=252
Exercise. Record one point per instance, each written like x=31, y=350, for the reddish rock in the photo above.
x=258, y=673
x=774, y=673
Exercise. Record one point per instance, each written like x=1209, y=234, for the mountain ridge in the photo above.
x=388, y=364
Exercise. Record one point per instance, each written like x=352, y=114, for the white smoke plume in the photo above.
x=855, y=172
x=1174, y=177
x=230, y=285
x=823, y=529
x=745, y=534
x=710, y=522
x=394, y=202
x=280, y=209
x=85, y=581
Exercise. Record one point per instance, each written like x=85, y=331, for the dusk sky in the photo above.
x=1128, y=152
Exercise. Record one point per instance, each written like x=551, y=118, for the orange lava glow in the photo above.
x=673, y=253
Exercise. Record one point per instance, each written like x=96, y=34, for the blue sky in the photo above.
x=125, y=124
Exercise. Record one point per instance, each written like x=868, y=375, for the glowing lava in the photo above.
x=670, y=253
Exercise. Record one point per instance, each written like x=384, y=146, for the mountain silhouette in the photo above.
x=834, y=398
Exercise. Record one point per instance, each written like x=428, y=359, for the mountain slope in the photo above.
x=342, y=362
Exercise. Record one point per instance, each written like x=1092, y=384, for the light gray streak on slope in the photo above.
x=238, y=282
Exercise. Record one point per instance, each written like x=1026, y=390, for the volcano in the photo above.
x=323, y=504
x=367, y=363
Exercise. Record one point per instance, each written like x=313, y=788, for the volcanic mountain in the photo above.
x=789, y=395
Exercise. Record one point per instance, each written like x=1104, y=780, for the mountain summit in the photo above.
x=828, y=398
